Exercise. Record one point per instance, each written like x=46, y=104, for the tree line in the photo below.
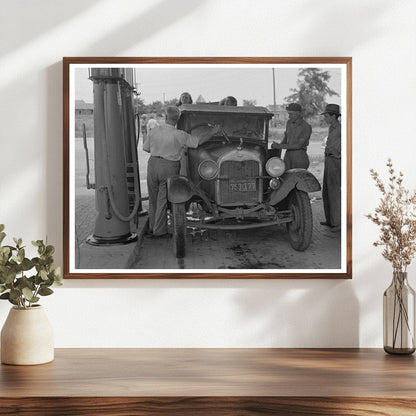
x=311, y=92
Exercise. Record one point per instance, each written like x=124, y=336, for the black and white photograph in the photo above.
x=213, y=168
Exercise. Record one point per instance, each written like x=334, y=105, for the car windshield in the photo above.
x=234, y=125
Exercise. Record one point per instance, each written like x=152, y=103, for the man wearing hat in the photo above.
x=331, y=189
x=296, y=139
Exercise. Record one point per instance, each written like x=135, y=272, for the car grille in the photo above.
x=239, y=183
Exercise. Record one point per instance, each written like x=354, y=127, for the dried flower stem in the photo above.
x=396, y=216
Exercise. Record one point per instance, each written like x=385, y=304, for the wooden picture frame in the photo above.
x=134, y=83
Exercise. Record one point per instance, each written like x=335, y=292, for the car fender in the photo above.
x=179, y=189
x=301, y=179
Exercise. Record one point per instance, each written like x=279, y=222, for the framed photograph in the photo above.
x=220, y=168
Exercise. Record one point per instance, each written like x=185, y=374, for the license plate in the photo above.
x=242, y=186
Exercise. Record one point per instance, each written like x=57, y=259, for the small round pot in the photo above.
x=27, y=337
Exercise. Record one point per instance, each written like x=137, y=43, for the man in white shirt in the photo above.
x=166, y=145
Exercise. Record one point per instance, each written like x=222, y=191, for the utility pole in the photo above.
x=274, y=98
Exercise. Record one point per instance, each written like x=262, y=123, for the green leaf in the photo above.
x=14, y=302
x=46, y=260
x=2, y=288
x=18, y=242
x=37, y=280
x=56, y=276
x=3, y=270
x=2, y=236
x=26, y=264
x=27, y=293
x=3, y=259
x=45, y=291
x=43, y=274
x=11, y=248
x=14, y=268
x=49, y=250
x=15, y=294
x=2, y=227
x=24, y=282
x=21, y=255
x=6, y=296
x=5, y=250
x=8, y=277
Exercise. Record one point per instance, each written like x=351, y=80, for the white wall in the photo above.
x=380, y=35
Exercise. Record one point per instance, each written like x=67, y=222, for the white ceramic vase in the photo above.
x=27, y=337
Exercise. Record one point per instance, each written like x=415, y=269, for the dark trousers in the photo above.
x=296, y=159
x=158, y=170
x=331, y=191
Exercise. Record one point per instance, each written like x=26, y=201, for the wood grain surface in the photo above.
x=212, y=382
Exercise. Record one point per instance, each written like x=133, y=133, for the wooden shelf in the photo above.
x=212, y=382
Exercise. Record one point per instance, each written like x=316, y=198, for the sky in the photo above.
x=159, y=82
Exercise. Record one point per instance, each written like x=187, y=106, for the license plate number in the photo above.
x=242, y=186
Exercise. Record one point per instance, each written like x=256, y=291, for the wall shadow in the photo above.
x=301, y=314
x=157, y=18
x=54, y=145
x=40, y=15
x=359, y=23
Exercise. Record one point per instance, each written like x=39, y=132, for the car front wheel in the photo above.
x=300, y=228
x=179, y=230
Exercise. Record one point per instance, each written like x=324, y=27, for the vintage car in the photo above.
x=233, y=181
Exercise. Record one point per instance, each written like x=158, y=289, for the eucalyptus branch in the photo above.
x=17, y=285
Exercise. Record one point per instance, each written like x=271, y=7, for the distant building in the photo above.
x=200, y=100
x=280, y=112
x=83, y=108
x=84, y=114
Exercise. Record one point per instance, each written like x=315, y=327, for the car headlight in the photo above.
x=275, y=167
x=208, y=169
x=274, y=184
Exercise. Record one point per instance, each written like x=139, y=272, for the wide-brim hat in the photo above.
x=294, y=107
x=332, y=109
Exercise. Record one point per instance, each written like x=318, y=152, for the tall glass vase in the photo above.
x=399, y=316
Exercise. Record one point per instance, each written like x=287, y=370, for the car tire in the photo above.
x=179, y=230
x=300, y=229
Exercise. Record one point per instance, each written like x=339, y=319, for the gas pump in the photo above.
x=132, y=166
x=117, y=182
